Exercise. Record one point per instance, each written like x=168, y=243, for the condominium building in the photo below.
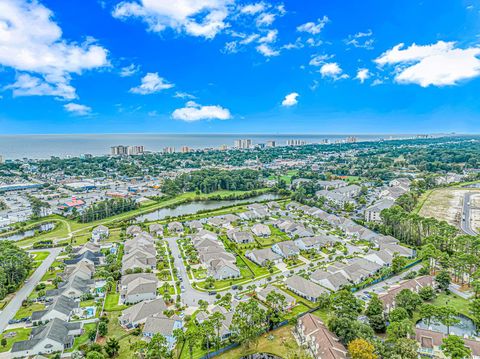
x=169, y=149
x=294, y=142
x=271, y=143
x=135, y=150
x=223, y=148
x=351, y=139
x=119, y=150
x=243, y=143
x=185, y=149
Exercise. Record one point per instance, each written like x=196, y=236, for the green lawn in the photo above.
x=82, y=339
x=279, y=342
x=27, y=311
x=40, y=256
x=460, y=304
x=21, y=334
x=111, y=302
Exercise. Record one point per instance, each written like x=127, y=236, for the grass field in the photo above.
x=27, y=311
x=280, y=342
x=21, y=334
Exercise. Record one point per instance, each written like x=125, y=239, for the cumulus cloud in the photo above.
x=194, y=112
x=270, y=37
x=267, y=51
x=32, y=44
x=290, y=100
x=252, y=9
x=193, y=17
x=151, y=83
x=129, y=70
x=312, y=27
x=362, y=75
x=77, y=109
x=333, y=71
x=265, y=19
x=439, y=64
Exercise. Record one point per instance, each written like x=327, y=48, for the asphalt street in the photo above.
x=16, y=302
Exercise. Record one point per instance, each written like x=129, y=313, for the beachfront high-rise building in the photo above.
x=185, y=149
x=271, y=143
x=119, y=150
x=351, y=139
x=243, y=143
x=135, y=150
x=1, y=159
x=294, y=142
x=223, y=148
x=169, y=149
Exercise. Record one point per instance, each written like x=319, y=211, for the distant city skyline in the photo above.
x=289, y=66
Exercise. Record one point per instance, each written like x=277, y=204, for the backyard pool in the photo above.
x=465, y=327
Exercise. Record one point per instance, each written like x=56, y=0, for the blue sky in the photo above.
x=297, y=66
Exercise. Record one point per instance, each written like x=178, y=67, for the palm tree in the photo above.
x=112, y=347
x=217, y=318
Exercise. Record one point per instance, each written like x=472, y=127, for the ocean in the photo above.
x=44, y=146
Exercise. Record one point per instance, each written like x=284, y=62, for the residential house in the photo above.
x=430, y=343
x=160, y=324
x=263, y=256
x=56, y=336
x=333, y=281
x=372, y=213
x=262, y=294
x=305, y=288
x=62, y=307
x=388, y=298
x=175, y=227
x=321, y=343
x=261, y=230
x=133, y=230
x=240, y=236
x=286, y=249
x=75, y=287
x=137, y=314
x=99, y=233
x=138, y=287
x=156, y=229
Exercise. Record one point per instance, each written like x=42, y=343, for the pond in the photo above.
x=194, y=207
x=29, y=233
x=465, y=327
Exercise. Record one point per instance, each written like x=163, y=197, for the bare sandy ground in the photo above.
x=446, y=204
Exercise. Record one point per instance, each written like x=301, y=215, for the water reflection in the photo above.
x=194, y=207
x=30, y=233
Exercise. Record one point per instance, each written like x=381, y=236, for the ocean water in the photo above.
x=44, y=146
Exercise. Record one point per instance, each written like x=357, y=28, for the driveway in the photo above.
x=16, y=302
x=190, y=296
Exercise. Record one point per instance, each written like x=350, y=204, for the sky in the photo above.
x=230, y=66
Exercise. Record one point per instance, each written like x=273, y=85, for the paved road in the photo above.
x=16, y=302
x=466, y=220
x=191, y=296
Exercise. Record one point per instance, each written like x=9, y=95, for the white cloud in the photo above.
x=267, y=51
x=265, y=19
x=319, y=60
x=290, y=99
x=194, y=112
x=332, y=70
x=151, y=83
x=31, y=43
x=249, y=39
x=129, y=70
x=180, y=94
x=439, y=64
x=361, y=40
x=253, y=9
x=312, y=27
x=270, y=37
x=362, y=75
x=77, y=108
x=197, y=18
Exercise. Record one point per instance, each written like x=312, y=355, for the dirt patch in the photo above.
x=446, y=204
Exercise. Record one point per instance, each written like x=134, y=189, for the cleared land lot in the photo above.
x=446, y=204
